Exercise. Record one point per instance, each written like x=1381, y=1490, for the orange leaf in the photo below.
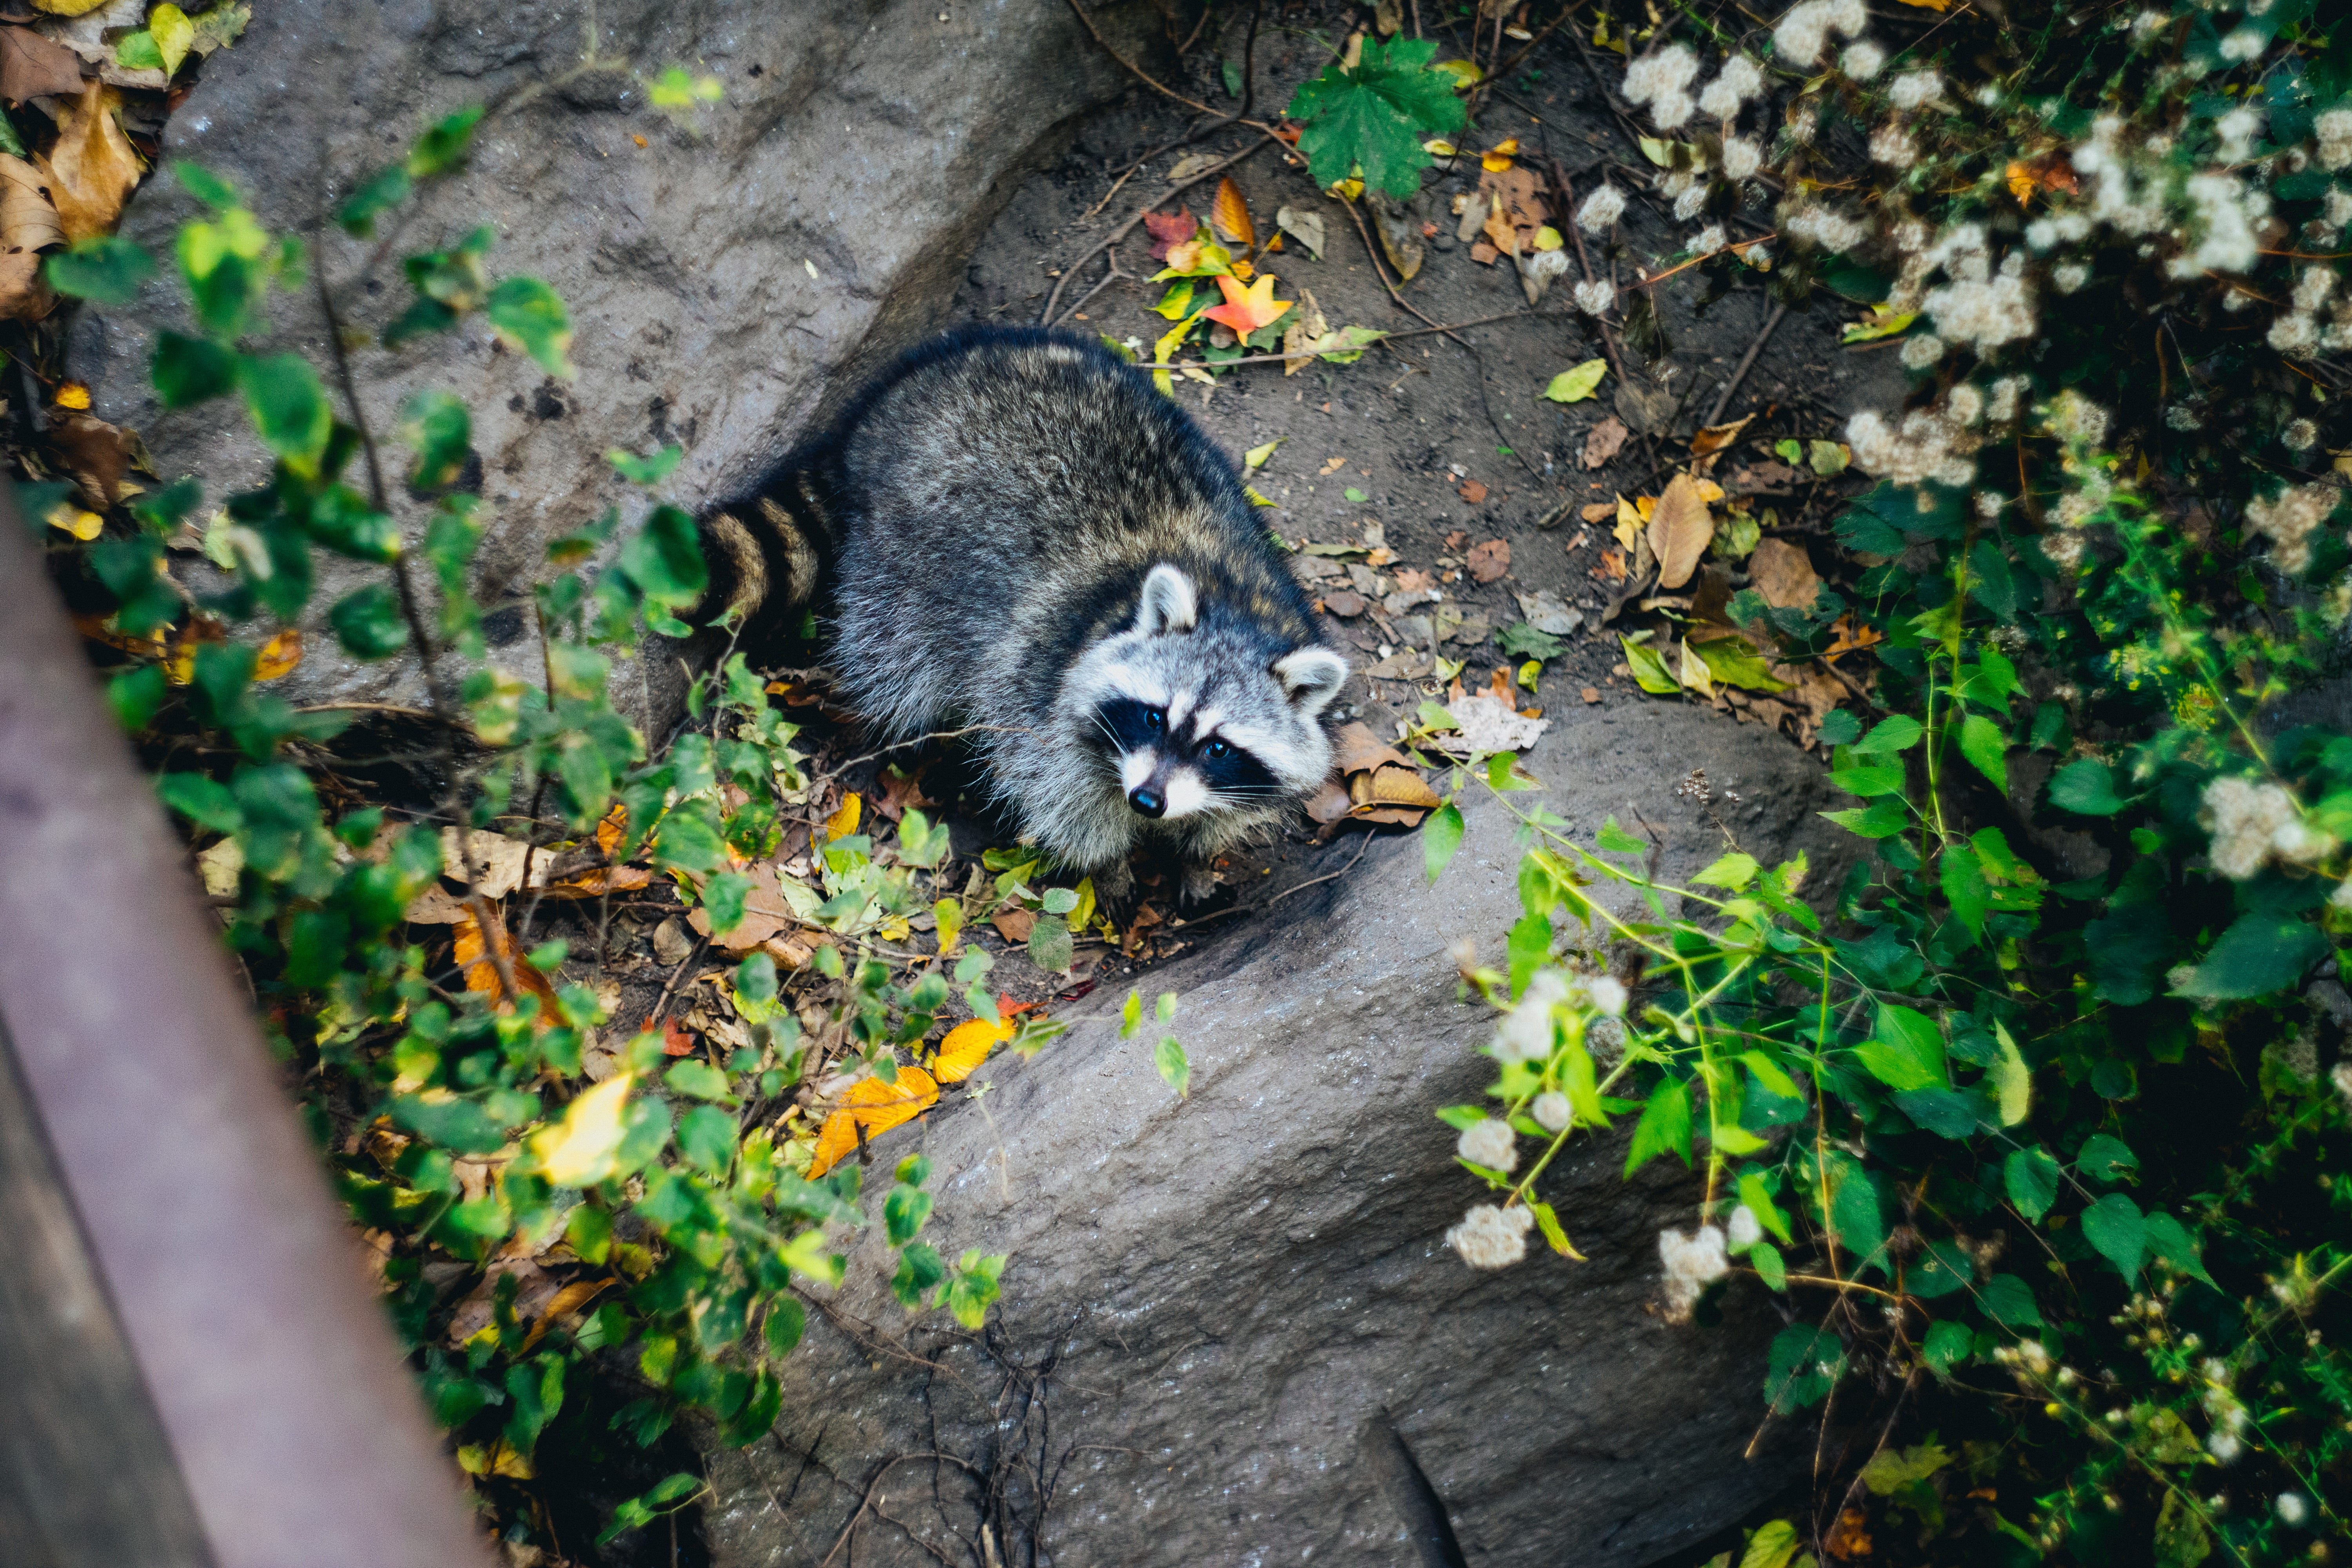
x=1230, y=215
x=1498, y=157
x=875, y=1106
x=676, y=1041
x=2020, y=183
x=1247, y=309
x=482, y=972
x=967, y=1046
x=279, y=655
x=609, y=832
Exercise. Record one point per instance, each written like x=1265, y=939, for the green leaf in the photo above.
x=1841, y=728
x=1441, y=836
x=2011, y=1079
x=206, y=801
x=1735, y=871
x=384, y=190
x=459, y=1126
x=1766, y=1260
x=1376, y=115
x=2086, y=788
x=204, y=186
x=645, y=471
x=1649, y=671
x=1170, y=1059
x=724, y=896
x=1854, y=1215
x=1616, y=840
x=1576, y=385
x=904, y=1212
x=1899, y=733
x=920, y=1268
x=2009, y=1302
x=368, y=622
x=437, y=427
x=1946, y=1112
x=2260, y=954
x=188, y=371
x=109, y=269
x=1913, y=1036
x=698, y=1080
x=2180, y=1539
x=445, y=145
x=787, y=1320
x=1949, y=1344
x=1882, y=818
x=1982, y=742
x=2031, y=1176
x=1520, y=640
x=136, y=696
x=1963, y=882
x=531, y=315
x=2117, y=1229
x=1665, y=1126
x=2105, y=1158
x=287, y=405
x=2170, y=1239
x=139, y=51
x=1050, y=946
x=974, y=1287
x=1804, y=1364
x=1772, y=1546
x=665, y=558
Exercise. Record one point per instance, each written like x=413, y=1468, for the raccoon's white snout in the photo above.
x=1162, y=789
x=1134, y=770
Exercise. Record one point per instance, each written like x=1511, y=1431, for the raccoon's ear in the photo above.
x=1168, y=601
x=1311, y=677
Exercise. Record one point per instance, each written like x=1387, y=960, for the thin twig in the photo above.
x=671, y=990
x=1268, y=903
x=866, y=1500
x=1763, y=335
x=1131, y=67
x=1584, y=261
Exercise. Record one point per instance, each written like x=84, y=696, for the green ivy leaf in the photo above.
x=2115, y=1228
x=1854, y=1214
x=920, y=1269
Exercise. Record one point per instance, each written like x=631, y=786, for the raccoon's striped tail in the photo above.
x=767, y=558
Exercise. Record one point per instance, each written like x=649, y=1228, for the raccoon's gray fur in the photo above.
x=1014, y=530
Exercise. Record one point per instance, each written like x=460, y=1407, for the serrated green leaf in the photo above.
x=1984, y=744
x=2259, y=954
x=1375, y=115
x=1664, y=1127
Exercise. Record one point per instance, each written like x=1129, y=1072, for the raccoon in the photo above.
x=1014, y=532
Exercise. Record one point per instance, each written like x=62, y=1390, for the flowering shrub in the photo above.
x=2034, y=1117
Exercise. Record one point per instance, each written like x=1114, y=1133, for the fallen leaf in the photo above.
x=1598, y=511
x=1680, y=531
x=25, y=295
x=1784, y=574
x=876, y=1107
x=1485, y=255
x=472, y=954
x=1489, y=561
x=676, y=1041
x=1577, y=385
x=580, y=1150
x=1400, y=234
x=1498, y=157
x=1190, y=164
x=1612, y=567
x=92, y=169
x=1631, y=524
x=1602, y=442
x=568, y=1300
x=220, y=866
x=603, y=879
x=71, y=396
x=898, y=792
x=671, y=945
x=766, y=914
x=1499, y=231
x=435, y=907
x=1590, y=694
x=33, y=66
x=496, y=867
x=1329, y=804
x=1473, y=491
x=1389, y=787
x=967, y=1046
x=1346, y=604
x=278, y=656
x=1547, y=611
x=1489, y=724
x=844, y=820
x=1229, y=214
x=1716, y=437
x=1882, y=322
x=1014, y=925
x=1307, y=328
x=1167, y=231
x=1692, y=672
x=97, y=455
x=1307, y=225
x=1247, y=309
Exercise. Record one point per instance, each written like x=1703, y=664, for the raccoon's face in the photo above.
x=1195, y=717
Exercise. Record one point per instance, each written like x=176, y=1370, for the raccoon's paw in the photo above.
x=1115, y=888
x=1200, y=882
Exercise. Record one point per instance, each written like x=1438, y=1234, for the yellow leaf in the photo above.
x=1229, y=214
x=1256, y=457
x=1882, y=323
x=1463, y=73
x=1348, y=189
x=1547, y=238
x=1630, y=522
x=844, y=821
x=82, y=525
x=1241, y=269
x=72, y=395
x=66, y=7
x=967, y=1046
x=1497, y=158
x=583, y=1149
x=2020, y=181
x=1930, y=4
x=1716, y=437
x=92, y=169
x=949, y=915
x=875, y=1106
x=1680, y=531
x=482, y=972
x=279, y=655
x=173, y=33
x=1694, y=674
x=1438, y=147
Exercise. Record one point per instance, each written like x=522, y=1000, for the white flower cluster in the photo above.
x=2228, y=1414
x=1807, y=28
x=1595, y=297
x=2228, y=220
x=1491, y=1237
x=1601, y=210
x=1927, y=444
x=2297, y=330
x=1865, y=60
x=2341, y=1079
x=1740, y=81
x=2076, y=419
x=2288, y=520
x=1741, y=158
x=1551, y=1110
x=1659, y=80
x=2333, y=129
x=1891, y=145
x=2253, y=824
x=1921, y=349
x=1489, y=1142
x=1693, y=1262
x=1746, y=1230
x=1706, y=241
x=1826, y=227
x=1915, y=90
x=1980, y=306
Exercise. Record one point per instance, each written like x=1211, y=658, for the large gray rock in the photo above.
x=871, y=140
x=1231, y=1328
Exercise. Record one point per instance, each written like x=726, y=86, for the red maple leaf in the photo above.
x=1167, y=231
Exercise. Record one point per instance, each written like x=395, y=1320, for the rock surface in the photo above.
x=727, y=278
x=1231, y=1322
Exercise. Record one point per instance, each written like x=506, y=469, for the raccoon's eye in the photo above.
x=1218, y=751
x=1154, y=718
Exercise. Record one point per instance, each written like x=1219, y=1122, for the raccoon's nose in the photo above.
x=1146, y=800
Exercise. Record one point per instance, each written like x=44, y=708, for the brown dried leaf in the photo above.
x=1329, y=804
x=32, y=65
x=482, y=972
x=1167, y=231
x=1393, y=786
x=1716, y=437
x=1474, y=490
x=1489, y=561
x=97, y=455
x=1356, y=750
x=1346, y=604
x=1014, y=925
x=1229, y=214
x=765, y=914
x=435, y=907
x=1307, y=328
x=1680, y=530
x=1603, y=441
x=1784, y=574
x=93, y=169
